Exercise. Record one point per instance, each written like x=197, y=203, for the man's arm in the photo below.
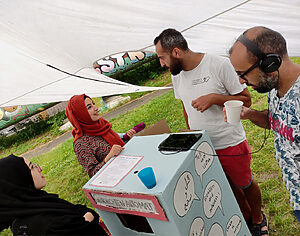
x=185, y=116
x=204, y=102
x=259, y=118
x=244, y=96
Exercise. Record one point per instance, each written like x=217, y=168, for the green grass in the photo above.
x=160, y=81
x=296, y=60
x=28, y=145
x=66, y=177
x=62, y=169
x=35, y=134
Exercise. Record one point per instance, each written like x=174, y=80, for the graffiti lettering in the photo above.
x=121, y=61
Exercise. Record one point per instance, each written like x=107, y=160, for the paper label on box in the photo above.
x=113, y=173
x=123, y=203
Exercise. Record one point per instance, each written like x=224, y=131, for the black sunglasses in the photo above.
x=242, y=75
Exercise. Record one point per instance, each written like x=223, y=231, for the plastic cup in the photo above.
x=147, y=177
x=233, y=110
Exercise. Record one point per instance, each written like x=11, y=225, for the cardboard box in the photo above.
x=191, y=196
x=160, y=127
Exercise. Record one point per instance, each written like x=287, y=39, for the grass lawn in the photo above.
x=61, y=168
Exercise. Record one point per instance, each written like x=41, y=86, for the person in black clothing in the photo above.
x=28, y=210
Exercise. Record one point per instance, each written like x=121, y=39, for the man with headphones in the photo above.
x=260, y=58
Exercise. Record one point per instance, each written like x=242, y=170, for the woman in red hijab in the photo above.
x=94, y=140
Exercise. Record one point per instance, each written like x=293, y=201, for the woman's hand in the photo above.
x=115, y=151
x=130, y=133
x=88, y=217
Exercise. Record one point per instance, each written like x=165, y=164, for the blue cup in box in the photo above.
x=147, y=177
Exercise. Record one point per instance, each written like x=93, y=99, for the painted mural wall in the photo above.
x=13, y=114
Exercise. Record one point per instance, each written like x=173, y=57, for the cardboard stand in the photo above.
x=191, y=197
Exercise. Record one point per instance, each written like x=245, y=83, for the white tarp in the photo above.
x=72, y=34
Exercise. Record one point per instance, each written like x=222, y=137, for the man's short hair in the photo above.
x=268, y=41
x=171, y=38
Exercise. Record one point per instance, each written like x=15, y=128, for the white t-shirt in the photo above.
x=214, y=74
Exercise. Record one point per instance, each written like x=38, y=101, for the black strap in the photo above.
x=251, y=46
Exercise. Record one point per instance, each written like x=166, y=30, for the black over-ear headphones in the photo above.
x=269, y=62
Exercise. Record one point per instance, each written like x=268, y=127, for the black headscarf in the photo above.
x=36, y=211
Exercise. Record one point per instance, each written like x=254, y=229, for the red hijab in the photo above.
x=79, y=117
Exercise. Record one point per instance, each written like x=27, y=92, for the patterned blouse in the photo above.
x=91, y=152
x=284, y=118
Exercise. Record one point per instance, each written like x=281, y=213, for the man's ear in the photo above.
x=176, y=52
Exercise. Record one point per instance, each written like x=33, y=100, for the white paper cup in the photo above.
x=233, y=110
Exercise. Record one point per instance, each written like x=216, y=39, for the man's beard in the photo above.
x=266, y=82
x=175, y=66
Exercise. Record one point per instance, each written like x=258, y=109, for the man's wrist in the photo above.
x=250, y=114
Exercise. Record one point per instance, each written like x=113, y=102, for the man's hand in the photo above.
x=204, y=102
x=244, y=113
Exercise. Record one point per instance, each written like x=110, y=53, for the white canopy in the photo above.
x=71, y=34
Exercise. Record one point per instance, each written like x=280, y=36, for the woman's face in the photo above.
x=36, y=173
x=92, y=109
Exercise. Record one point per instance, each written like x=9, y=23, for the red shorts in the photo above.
x=237, y=167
